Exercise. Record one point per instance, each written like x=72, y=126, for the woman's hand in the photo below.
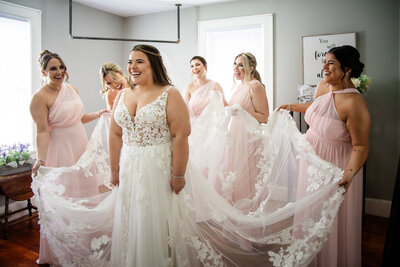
x=115, y=178
x=347, y=179
x=102, y=111
x=177, y=184
x=36, y=166
x=285, y=106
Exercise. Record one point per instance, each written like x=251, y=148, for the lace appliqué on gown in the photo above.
x=149, y=127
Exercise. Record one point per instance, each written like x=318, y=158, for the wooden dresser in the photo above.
x=16, y=187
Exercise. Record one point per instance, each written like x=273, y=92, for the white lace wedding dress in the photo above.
x=143, y=223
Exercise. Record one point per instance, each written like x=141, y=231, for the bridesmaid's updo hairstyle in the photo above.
x=201, y=59
x=250, y=61
x=349, y=57
x=160, y=75
x=45, y=57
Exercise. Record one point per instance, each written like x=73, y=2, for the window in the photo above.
x=220, y=41
x=21, y=28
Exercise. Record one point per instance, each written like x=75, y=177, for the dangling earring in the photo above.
x=44, y=79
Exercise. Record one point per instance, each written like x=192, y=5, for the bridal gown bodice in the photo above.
x=149, y=127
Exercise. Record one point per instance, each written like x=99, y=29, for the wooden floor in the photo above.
x=22, y=246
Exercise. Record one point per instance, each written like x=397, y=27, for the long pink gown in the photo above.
x=242, y=158
x=67, y=143
x=200, y=98
x=332, y=142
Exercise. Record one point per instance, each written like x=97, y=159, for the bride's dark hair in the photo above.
x=160, y=75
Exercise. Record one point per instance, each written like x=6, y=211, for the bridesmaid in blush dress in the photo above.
x=58, y=114
x=339, y=127
x=250, y=93
x=251, y=96
x=197, y=92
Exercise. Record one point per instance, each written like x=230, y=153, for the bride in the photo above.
x=160, y=211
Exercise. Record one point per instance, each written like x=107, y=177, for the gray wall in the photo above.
x=82, y=57
x=377, y=27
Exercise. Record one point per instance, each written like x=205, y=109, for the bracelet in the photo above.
x=178, y=176
x=41, y=160
x=290, y=108
x=98, y=114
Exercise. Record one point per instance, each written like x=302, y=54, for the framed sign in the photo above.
x=315, y=48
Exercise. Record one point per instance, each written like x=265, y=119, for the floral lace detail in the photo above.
x=149, y=127
x=303, y=250
x=207, y=255
x=227, y=185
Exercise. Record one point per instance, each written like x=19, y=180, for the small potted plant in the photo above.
x=15, y=159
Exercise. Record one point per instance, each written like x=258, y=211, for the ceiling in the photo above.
x=128, y=8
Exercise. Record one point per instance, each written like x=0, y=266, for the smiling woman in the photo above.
x=58, y=114
x=339, y=127
x=112, y=80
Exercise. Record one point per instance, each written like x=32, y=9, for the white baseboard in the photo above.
x=378, y=207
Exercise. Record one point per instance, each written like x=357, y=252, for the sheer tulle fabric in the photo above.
x=148, y=225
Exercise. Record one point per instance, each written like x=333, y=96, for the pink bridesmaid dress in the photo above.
x=332, y=142
x=67, y=143
x=242, y=96
x=68, y=138
x=242, y=158
x=200, y=98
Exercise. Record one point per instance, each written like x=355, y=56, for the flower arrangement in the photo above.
x=15, y=155
x=361, y=83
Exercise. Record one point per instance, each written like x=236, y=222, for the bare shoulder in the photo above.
x=218, y=87
x=190, y=87
x=354, y=101
x=352, y=106
x=41, y=96
x=174, y=93
x=257, y=87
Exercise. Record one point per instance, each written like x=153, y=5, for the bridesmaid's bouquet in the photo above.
x=361, y=83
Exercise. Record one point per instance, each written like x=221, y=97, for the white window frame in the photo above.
x=34, y=17
x=266, y=22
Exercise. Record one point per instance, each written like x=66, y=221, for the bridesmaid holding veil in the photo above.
x=250, y=96
x=58, y=114
x=339, y=127
x=197, y=92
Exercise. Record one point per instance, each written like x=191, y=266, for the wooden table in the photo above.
x=16, y=187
